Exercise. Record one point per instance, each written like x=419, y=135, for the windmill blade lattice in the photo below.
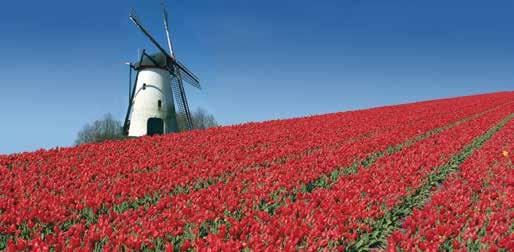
x=181, y=101
x=187, y=75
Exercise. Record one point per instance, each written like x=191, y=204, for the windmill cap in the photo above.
x=159, y=58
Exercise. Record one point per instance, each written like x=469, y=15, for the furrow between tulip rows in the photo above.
x=382, y=228
x=180, y=219
x=473, y=209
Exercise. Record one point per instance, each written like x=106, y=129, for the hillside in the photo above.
x=426, y=175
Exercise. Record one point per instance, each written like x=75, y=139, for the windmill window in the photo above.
x=159, y=104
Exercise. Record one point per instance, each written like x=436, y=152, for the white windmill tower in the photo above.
x=159, y=77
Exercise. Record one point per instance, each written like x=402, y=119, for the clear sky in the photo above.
x=61, y=63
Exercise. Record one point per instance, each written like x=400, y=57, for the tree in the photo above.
x=201, y=120
x=105, y=129
x=109, y=128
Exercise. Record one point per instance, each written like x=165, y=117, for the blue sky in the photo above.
x=61, y=61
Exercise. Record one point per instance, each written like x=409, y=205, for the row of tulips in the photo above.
x=189, y=213
x=205, y=211
x=79, y=178
x=12, y=228
x=46, y=192
x=474, y=208
x=338, y=215
x=95, y=176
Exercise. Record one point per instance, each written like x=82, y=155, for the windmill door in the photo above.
x=154, y=126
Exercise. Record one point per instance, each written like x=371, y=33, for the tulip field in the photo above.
x=431, y=175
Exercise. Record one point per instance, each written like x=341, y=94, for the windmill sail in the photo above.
x=187, y=75
x=133, y=92
x=166, y=27
x=183, y=112
x=138, y=24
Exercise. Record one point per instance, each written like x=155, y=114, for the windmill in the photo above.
x=158, y=88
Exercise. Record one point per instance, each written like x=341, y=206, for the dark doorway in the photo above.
x=154, y=126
